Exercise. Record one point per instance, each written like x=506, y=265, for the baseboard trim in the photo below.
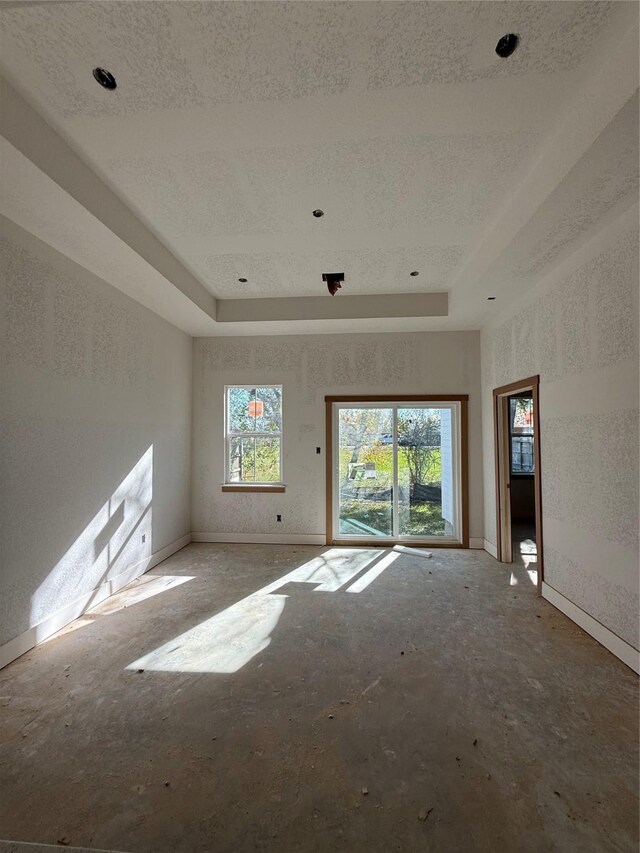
x=43, y=630
x=284, y=539
x=616, y=645
x=490, y=548
x=261, y=538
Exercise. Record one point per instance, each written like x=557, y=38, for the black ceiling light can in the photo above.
x=105, y=78
x=507, y=45
x=318, y=213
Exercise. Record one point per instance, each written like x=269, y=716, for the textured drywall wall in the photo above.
x=578, y=330
x=308, y=368
x=96, y=408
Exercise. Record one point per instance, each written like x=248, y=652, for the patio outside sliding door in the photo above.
x=396, y=471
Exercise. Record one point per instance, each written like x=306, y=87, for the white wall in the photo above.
x=96, y=406
x=309, y=367
x=578, y=329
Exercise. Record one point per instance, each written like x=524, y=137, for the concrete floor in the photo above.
x=475, y=716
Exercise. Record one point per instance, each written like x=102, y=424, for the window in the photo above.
x=521, y=434
x=253, y=434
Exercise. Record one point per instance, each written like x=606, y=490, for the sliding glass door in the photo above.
x=365, y=471
x=396, y=471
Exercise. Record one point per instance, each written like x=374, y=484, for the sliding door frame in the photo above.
x=463, y=401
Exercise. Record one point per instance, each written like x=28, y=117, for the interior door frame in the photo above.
x=502, y=469
x=463, y=400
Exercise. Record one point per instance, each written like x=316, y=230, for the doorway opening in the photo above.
x=518, y=488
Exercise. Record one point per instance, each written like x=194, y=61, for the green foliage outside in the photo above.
x=382, y=455
x=254, y=459
x=419, y=438
x=257, y=460
x=240, y=420
x=421, y=519
x=365, y=438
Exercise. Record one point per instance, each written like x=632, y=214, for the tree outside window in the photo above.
x=253, y=424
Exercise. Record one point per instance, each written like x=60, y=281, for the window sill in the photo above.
x=276, y=488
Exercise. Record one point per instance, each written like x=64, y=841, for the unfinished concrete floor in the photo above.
x=439, y=708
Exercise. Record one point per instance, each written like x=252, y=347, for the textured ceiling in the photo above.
x=403, y=186
x=232, y=121
x=175, y=54
x=374, y=271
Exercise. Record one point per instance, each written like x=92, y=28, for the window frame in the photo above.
x=528, y=435
x=252, y=485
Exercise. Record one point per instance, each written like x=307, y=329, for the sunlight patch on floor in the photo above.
x=230, y=639
x=145, y=587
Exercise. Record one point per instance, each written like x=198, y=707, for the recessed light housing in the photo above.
x=242, y=280
x=105, y=78
x=318, y=213
x=490, y=298
x=415, y=272
x=507, y=44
